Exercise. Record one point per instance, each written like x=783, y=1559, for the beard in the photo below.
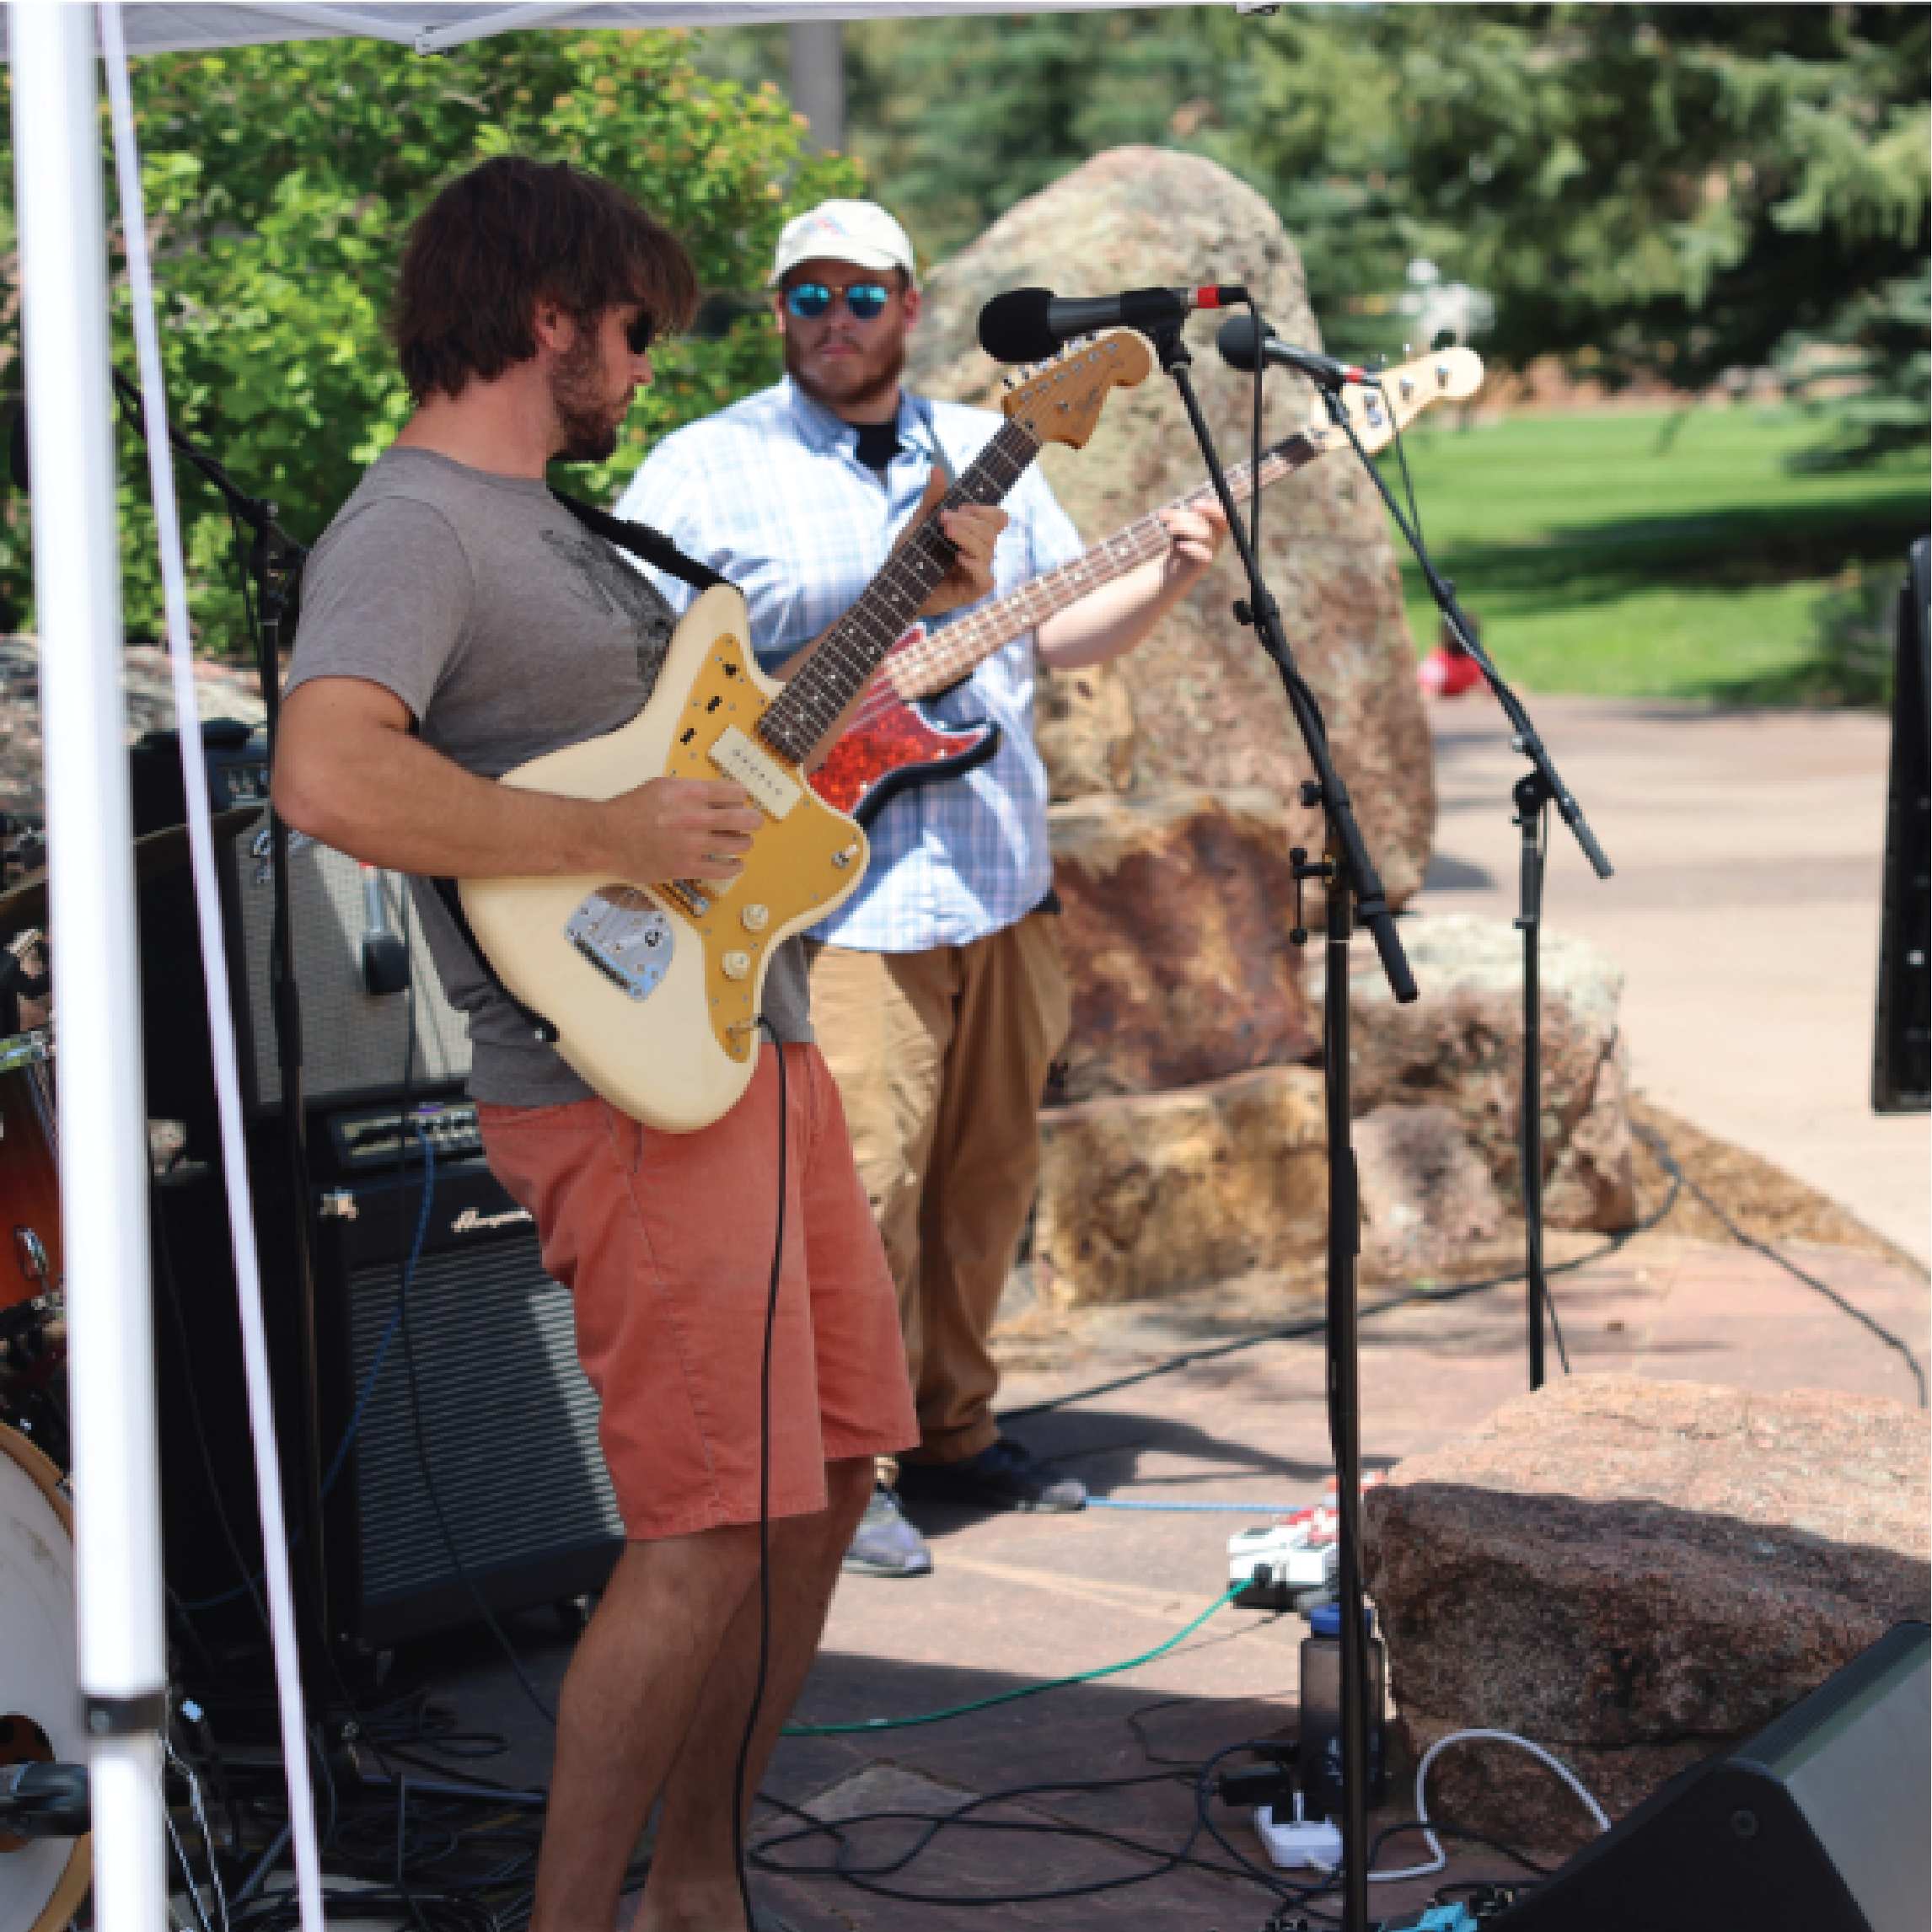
x=586, y=420
x=859, y=383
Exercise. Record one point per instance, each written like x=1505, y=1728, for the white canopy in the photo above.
x=183, y=26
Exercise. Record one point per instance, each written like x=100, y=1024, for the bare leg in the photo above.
x=627, y=1704
x=694, y=1873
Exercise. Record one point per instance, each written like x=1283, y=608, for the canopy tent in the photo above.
x=182, y=26
x=63, y=258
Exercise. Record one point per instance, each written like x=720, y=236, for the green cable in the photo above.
x=1027, y=1690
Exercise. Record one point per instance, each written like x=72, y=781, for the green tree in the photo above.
x=280, y=182
x=1680, y=188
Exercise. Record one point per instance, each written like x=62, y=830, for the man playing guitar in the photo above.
x=457, y=622
x=940, y=995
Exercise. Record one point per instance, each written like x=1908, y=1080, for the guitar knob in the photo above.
x=756, y=918
x=844, y=860
x=735, y=965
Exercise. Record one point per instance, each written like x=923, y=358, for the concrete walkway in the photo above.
x=1745, y=910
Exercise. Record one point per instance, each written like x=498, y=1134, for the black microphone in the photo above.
x=1029, y=325
x=1237, y=343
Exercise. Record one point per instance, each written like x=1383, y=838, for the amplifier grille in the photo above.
x=352, y=1042
x=508, y=1419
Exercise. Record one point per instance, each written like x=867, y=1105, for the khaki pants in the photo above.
x=941, y=1058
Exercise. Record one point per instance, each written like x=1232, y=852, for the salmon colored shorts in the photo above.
x=665, y=1241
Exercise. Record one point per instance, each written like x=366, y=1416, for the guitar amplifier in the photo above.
x=508, y=1421
x=354, y=1040
x=1818, y=1823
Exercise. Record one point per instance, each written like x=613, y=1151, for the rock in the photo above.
x=1427, y=1204
x=1460, y=1046
x=1632, y=1574
x=226, y=690
x=1083, y=722
x=1208, y=706
x=1177, y=911
x=1145, y=1195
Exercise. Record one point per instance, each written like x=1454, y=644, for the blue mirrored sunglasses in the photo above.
x=864, y=300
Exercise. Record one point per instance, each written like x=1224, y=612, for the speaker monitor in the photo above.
x=355, y=1041
x=1902, y=1044
x=1819, y=1823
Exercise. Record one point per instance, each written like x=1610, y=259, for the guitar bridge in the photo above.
x=625, y=936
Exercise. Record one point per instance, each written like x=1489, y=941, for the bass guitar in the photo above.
x=652, y=988
x=897, y=742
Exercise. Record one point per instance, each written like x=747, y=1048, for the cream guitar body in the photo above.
x=591, y=955
x=654, y=988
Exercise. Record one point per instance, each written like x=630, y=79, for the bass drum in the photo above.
x=42, y=1881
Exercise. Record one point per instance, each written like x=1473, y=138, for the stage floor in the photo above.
x=1017, y=1599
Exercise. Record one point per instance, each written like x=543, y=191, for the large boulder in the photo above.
x=1207, y=707
x=1460, y=1046
x=1427, y=1204
x=1177, y=911
x=224, y=690
x=1148, y=1195
x=1632, y=1574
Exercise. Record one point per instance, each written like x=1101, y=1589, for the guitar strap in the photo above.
x=654, y=547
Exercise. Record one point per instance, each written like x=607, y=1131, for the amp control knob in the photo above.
x=756, y=918
x=736, y=965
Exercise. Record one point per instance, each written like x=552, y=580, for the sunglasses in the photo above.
x=641, y=333
x=864, y=300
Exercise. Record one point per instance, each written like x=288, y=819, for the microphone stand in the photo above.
x=275, y=561
x=1534, y=792
x=1352, y=891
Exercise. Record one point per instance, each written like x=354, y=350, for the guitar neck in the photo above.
x=942, y=657
x=800, y=720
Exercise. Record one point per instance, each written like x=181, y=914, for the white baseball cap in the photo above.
x=861, y=233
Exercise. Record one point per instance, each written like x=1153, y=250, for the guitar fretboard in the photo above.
x=940, y=659
x=854, y=647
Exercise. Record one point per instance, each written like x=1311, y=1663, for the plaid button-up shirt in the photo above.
x=770, y=493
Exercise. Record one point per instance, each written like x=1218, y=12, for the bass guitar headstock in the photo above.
x=1400, y=394
x=1061, y=401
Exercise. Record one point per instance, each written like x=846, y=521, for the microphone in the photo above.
x=1238, y=341
x=1029, y=325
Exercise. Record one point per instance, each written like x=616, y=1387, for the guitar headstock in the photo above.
x=1402, y=394
x=1061, y=401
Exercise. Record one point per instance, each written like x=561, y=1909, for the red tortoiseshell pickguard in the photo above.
x=891, y=738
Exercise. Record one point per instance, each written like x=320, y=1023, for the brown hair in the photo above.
x=513, y=232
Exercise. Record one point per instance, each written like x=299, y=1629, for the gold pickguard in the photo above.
x=798, y=867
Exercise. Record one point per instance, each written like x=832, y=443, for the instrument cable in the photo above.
x=737, y=1819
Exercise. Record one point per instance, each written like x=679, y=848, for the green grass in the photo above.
x=1650, y=554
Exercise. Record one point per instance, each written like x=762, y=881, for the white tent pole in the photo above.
x=214, y=956
x=103, y=1144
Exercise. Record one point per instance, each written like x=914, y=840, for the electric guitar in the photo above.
x=654, y=989
x=896, y=742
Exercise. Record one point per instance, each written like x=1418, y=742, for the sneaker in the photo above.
x=885, y=1544
x=1005, y=1476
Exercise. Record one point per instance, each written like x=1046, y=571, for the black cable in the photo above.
x=763, y=1492
x=1657, y=1144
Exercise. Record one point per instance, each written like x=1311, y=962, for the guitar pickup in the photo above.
x=773, y=789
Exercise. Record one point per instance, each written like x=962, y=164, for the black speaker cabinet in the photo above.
x=1819, y=1823
x=1901, y=1041
x=355, y=1040
x=507, y=1421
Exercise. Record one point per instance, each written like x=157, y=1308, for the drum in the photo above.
x=42, y=1881
x=29, y=1171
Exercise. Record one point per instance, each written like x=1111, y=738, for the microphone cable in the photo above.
x=737, y=1818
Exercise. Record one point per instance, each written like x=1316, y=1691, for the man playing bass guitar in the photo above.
x=938, y=991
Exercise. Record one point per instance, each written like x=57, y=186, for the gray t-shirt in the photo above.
x=509, y=631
